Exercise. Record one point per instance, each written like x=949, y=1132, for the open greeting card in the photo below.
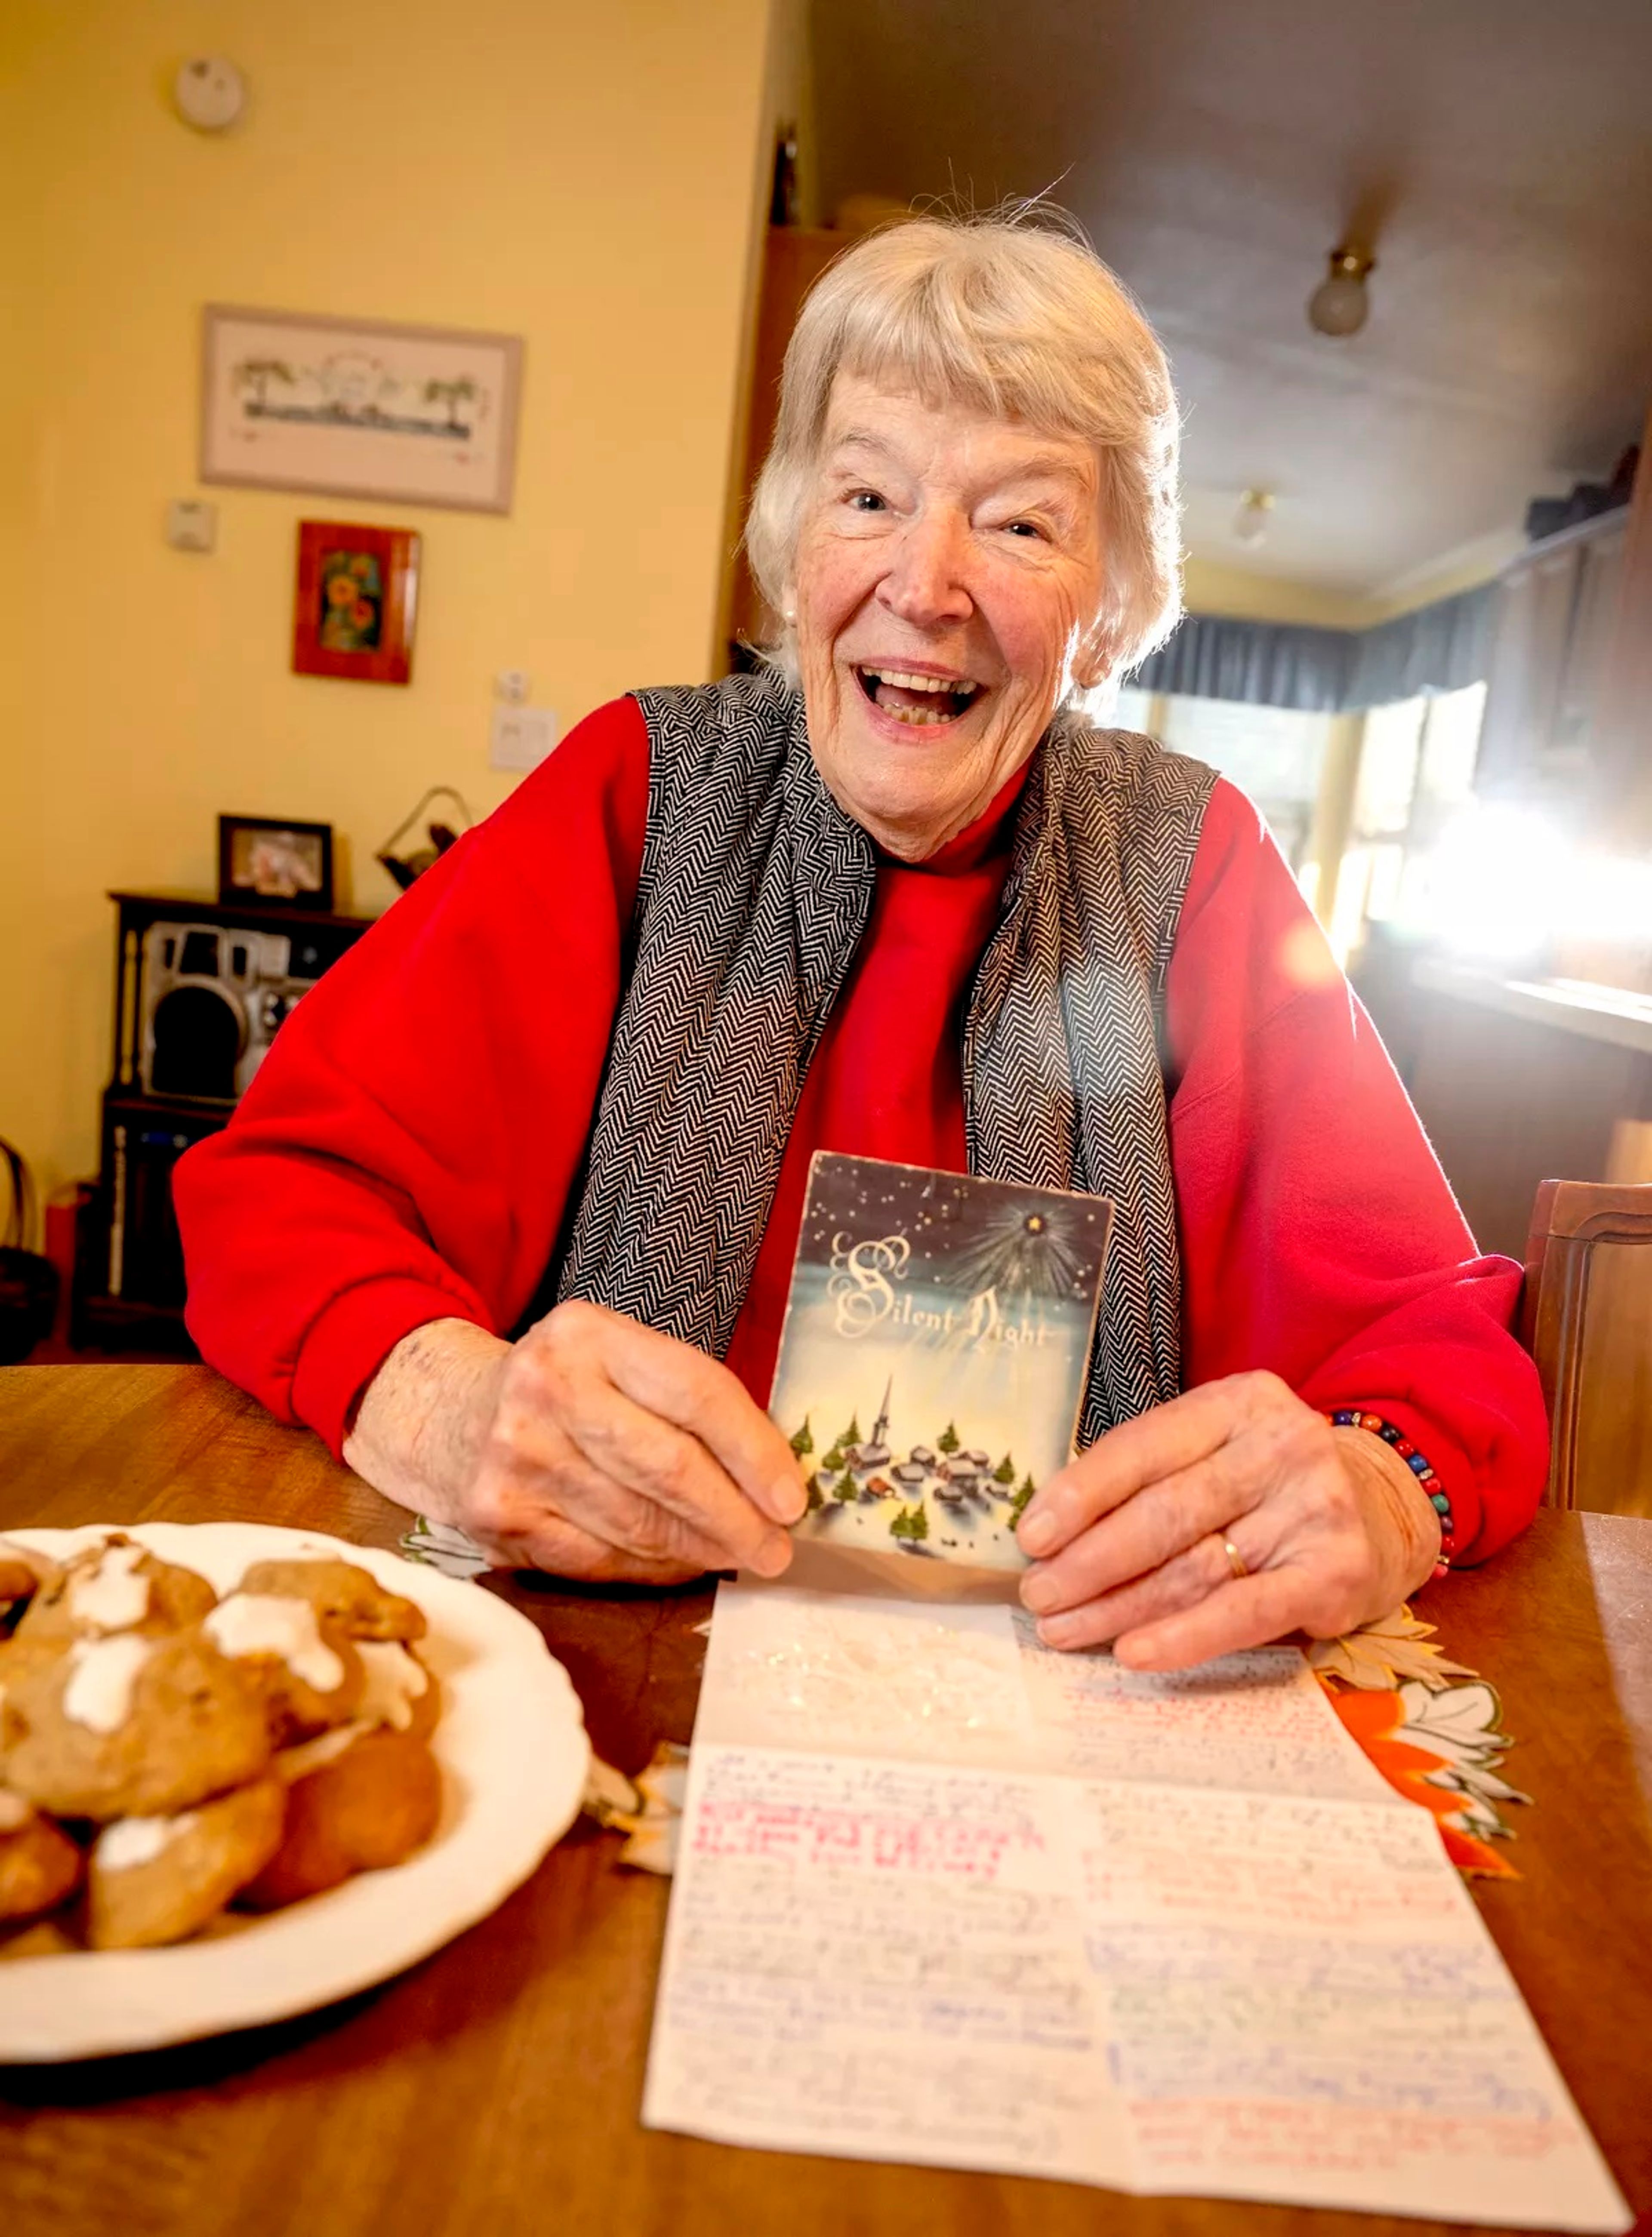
x=932, y=1361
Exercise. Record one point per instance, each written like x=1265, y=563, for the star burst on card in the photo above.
x=1037, y=1251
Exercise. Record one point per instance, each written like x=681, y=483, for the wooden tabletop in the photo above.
x=494, y=2089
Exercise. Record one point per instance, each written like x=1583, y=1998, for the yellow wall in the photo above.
x=581, y=175
x=1211, y=588
x=26, y=1047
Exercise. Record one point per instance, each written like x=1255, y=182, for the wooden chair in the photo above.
x=1586, y=1317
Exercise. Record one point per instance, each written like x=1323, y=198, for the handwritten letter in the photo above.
x=945, y=1897
x=883, y=1960
x=1258, y=1721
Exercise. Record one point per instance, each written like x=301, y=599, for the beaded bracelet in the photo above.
x=1348, y=1417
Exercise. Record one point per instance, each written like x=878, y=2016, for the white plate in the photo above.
x=513, y=1754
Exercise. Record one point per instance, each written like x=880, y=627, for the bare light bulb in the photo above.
x=1251, y=521
x=1340, y=305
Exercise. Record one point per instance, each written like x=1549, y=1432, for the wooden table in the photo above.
x=494, y=2089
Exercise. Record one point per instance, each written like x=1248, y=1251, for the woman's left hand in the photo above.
x=1331, y=1526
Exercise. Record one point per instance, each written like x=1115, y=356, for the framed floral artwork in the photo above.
x=357, y=596
x=418, y=415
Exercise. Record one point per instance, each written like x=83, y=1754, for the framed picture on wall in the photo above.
x=355, y=601
x=269, y=858
x=416, y=415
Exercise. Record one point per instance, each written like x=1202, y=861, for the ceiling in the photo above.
x=1497, y=154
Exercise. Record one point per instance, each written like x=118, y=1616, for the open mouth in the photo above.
x=918, y=699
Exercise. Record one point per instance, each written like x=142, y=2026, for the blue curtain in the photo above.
x=1444, y=647
x=1318, y=671
x=1258, y=664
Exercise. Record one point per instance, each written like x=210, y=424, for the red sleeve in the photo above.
x=1320, y=1238
x=405, y=1151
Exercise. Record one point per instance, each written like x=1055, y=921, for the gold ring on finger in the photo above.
x=1236, y=1561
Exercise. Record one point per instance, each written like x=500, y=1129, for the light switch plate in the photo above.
x=520, y=737
x=192, y=524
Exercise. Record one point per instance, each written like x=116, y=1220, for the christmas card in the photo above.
x=936, y=1343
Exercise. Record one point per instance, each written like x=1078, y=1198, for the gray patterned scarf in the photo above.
x=756, y=889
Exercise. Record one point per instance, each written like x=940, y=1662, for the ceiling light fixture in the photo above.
x=1340, y=305
x=1251, y=521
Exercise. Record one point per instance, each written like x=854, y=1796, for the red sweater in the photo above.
x=407, y=1150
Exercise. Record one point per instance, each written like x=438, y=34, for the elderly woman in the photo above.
x=509, y=1214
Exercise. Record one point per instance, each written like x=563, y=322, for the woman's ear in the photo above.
x=1093, y=661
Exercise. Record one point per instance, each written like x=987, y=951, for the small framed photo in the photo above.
x=264, y=858
x=355, y=601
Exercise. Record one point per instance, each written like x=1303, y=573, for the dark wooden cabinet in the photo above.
x=1569, y=691
x=1624, y=715
x=1558, y=619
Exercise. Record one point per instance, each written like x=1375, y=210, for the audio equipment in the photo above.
x=202, y=990
x=213, y=997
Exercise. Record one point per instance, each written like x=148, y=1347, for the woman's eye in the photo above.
x=865, y=501
x=1024, y=528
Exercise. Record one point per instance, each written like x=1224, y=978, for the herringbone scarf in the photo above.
x=755, y=891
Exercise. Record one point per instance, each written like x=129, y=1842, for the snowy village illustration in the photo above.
x=934, y=1354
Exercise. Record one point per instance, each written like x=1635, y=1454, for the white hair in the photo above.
x=1007, y=315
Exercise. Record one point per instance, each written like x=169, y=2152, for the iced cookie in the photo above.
x=40, y=1866
x=17, y=1656
x=355, y=1803
x=22, y=1574
x=41, y=1937
x=346, y=1596
x=126, y=1727
x=307, y=1671
x=115, y=1586
x=399, y=1691
x=156, y=1879
x=22, y=1668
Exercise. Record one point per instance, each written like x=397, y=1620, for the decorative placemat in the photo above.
x=439, y=1546
x=1430, y=1726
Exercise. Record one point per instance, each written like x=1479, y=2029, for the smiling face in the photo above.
x=949, y=577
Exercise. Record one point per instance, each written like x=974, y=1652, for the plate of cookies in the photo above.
x=246, y=1771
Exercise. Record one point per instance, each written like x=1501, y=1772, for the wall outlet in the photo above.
x=514, y=686
x=520, y=737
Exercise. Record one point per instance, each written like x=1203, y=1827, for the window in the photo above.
x=1273, y=754
x=1415, y=773
x=1388, y=756
x=1451, y=747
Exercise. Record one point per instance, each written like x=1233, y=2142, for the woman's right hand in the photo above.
x=591, y=1448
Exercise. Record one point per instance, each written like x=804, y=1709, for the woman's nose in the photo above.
x=925, y=583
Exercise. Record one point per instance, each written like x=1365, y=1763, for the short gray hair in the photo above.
x=1012, y=315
